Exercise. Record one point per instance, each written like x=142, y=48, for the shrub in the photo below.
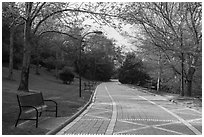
x=66, y=76
x=49, y=63
x=133, y=71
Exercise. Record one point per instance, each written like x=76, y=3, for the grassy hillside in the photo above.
x=67, y=97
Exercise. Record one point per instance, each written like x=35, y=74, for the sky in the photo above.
x=121, y=40
x=112, y=33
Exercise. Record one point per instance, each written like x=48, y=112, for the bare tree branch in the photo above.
x=35, y=12
x=71, y=10
x=53, y=31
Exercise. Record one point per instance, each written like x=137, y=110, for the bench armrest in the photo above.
x=49, y=100
x=56, y=107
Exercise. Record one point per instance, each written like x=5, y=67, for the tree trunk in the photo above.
x=37, y=65
x=10, y=75
x=24, y=79
x=159, y=73
x=191, y=72
x=26, y=66
x=189, y=88
x=182, y=74
x=27, y=50
x=158, y=81
x=37, y=59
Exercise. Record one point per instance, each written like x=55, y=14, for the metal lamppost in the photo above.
x=80, y=48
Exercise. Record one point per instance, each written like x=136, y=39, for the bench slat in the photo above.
x=39, y=108
x=34, y=99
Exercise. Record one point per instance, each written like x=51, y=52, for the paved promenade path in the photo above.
x=118, y=109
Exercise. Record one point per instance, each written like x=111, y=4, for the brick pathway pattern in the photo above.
x=118, y=109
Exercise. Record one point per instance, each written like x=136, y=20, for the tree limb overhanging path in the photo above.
x=119, y=109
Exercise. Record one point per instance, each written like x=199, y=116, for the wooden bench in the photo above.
x=33, y=102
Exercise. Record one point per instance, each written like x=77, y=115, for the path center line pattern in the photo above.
x=112, y=123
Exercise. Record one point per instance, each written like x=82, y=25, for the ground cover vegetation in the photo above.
x=67, y=97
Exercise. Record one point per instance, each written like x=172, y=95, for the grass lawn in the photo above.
x=67, y=97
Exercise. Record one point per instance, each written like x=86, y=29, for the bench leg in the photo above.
x=18, y=118
x=40, y=114
x=37, y=119
x=27, y=119
x=56, y=111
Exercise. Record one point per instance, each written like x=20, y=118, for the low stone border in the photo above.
x=54, y=131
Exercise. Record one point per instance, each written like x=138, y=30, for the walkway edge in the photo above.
x=54, y=131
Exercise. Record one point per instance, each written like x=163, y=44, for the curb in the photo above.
x=54, y=131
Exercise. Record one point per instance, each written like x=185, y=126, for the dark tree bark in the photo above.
x=27, y=49
x=37, y=54
x=159, y=72
x=189, y=80
x=10, y=75
x=37, y=64
x=182, y=93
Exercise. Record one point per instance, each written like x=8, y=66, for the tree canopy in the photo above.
x=168, y=37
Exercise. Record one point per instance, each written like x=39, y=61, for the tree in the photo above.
x=27, y=47
x=97, y=58
x=34, y=15
x=175, y=29
x=12, y=17
x=132, y=71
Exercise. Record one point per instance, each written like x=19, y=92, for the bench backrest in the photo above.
x=33, y=99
